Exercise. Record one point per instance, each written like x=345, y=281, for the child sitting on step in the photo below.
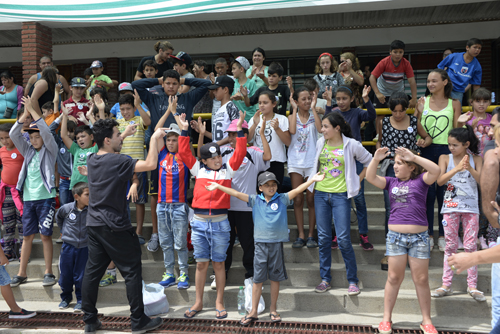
x=269, y=210
x=407, y=239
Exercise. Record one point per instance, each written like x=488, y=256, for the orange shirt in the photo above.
x=12, y=161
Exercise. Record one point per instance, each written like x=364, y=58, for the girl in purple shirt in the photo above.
x=407, y=239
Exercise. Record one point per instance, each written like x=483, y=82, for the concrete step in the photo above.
x=299, y=275
x=400, y=320
x=290, y=299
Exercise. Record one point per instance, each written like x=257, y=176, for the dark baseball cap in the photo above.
x=265, y=177
x=223, y=81
x=183, y=57
x=78, y=82
x=209, y=150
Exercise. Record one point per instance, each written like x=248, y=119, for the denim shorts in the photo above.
x=38, y=216
x=210, y=238
x=414, y=244
x=4, y=276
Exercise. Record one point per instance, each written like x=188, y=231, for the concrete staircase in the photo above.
x=297, y=300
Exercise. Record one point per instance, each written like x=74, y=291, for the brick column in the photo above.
x=111, y=69
x=36, y=43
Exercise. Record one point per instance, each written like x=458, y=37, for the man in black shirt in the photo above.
x=164, y=51
x=111, y=236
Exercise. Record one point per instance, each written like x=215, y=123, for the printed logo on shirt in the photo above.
x=464, y=70
x=82, y=155
x=335, y=172
x=338, y=152
x=400, y=194
x=72, y=216
x=274, y=206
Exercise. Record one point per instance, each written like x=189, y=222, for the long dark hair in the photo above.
x=444, y=76
x=336, y=118
x=465, y=135
x=49, y=74
x=349, y=91
x=271, y=97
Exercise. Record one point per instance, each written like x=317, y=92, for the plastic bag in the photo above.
x=155, y=301
x=248, y=297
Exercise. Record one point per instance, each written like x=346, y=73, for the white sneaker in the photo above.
x=213, y=285
x=483, y=243
x=460, y=243
x=431, y=242
x=441, y=244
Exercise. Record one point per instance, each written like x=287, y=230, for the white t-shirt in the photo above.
x=302, y=150
x=245, y=178
x=221, y=120
x=275, y=143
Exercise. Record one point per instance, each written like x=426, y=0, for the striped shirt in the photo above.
x=391, y=77
x=173, y=180
x=133, y=146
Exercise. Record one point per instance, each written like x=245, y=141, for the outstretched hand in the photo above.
x=184, y=122
x=212, y=186
x=318, y=177
x=464, y=118
x=83, y=170
x=239, y=125
x=381, y=153
x=405, y=154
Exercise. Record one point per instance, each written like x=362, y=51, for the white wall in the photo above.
x=298, y=43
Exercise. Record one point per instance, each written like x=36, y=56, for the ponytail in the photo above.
x=336, y=119
x=465, y=135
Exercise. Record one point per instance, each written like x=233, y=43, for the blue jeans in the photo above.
x=210, y=238
x=359, y=201
x=495, y=294
x=387, y=201
x=338, y=206
x=457, y=96
x=65, y=194
x=432, y=152
x=172, y=232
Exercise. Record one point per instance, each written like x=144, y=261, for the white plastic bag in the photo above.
x=248, y=297
x=155, y=301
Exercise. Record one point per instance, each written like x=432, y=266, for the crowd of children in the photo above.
x=238, y=190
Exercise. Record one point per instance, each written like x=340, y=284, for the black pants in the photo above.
x=123, y=249
x=278, y=169
x=243, y=222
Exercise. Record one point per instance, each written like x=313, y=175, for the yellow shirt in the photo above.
x=133, y=146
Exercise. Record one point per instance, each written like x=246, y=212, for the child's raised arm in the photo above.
x=318, y=177
x=64, y=128
x=371, y=172
x=144, y=115
x=99, y=103
x=432, y=169
x=230, y=191
x=172, y=105
x=57, y=92
x=265, y=144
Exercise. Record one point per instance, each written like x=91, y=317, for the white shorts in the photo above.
x=305, y=172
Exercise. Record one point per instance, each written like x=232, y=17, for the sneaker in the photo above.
x=142, y=241
x=353, y=290
x=460, y=243
x=323, y=287
x=167, y=280
x=191, y=260
x=213, y=286
x=482, y=241
x=183, y=282
x=151, y=325
x=107, y=279
x=335, y=244
x=492, y=243
x=48, y=280
x=16, y=280
x=431, y=242
x=92, y=328
x=441, y=244
x=299, y=243
x=22, y=315
x=153, y=243
x=363, y=242
x=78, y=308
x=311, y=243
x=59, y=241
x=236, y=241
x=64, y=304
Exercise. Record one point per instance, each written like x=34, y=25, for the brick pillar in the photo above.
x=36, y=43
x=111, y=69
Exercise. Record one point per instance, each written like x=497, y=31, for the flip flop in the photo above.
x=221, y=316
x=191, y=311
x=245, y=324
x=277, y=315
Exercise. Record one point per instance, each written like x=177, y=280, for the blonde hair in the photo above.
x=333, y=65
x=353, y=58
x=165, y=45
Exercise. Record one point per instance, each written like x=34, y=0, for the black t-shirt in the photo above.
x=282, y=92
x=161, y=67
x=108, y=177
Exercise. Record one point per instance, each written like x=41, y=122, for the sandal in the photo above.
x=251, y=319
x=221, y=316
x=189, y=312
x=385, y=327
x=441, y=292
x=428, y=329
x=299, y=243
x=476, y=294
x=276, y=316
